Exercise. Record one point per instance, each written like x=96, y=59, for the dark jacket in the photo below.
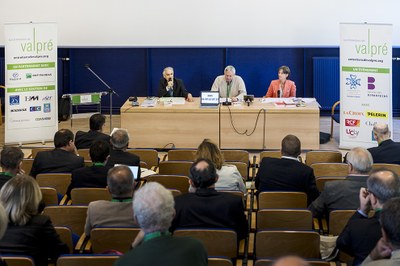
x=388, y=151
x=83, y=140
x=179, y=88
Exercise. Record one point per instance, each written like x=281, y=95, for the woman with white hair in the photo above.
x=28, y=233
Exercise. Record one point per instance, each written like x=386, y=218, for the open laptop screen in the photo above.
x=134, y=170
x=209, y=98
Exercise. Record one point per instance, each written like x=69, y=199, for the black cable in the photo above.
x=245, y=132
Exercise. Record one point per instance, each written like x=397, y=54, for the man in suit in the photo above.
x=206, y=207
x=11, y=163
x=172, y=87
x=343, y=194
x=387, y=250
x=153, y=206
x=63, y=159
x=118, y=154
x=83, y=140
x=362, y=233
x=96, y=174
x=387, y=151
x=287, y=173
x=119, y=212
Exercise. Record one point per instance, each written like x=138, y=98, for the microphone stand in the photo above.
x=110, y=92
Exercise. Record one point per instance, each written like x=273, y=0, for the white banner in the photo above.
x=365, y=82
x=31, y=82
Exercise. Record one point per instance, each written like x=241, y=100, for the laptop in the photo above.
x=134, y=170
x=209, y=99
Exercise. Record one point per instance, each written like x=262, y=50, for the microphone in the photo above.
x=227, y=96
x=279, y=93
x=87, y=65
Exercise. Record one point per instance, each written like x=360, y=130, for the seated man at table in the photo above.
x=287, y=173
x=63, y=159
x=230, y=85
x=83, y=140
x=172, y=87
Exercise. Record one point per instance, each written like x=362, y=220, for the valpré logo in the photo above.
x=352, y=133
x=353, y=113
x=352, y=122
x=14, y=99
x=31, y=98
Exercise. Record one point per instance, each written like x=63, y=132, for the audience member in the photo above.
x=62, y=159
x=83, y=140
x=172, y=87
x=95, y=175
x=118, y=153
x=282, y=87
x=206, y=207
x=11, y=163
x=154, y=210
x=28, y=233
x=343, y=194
x=120, y=184
x=387, y=250
x=287, y=173
x=230, y=85
x=290, y=261
x=387, y=151
x=229, y=177
x=362, y=233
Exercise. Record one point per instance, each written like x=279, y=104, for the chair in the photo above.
x=394, y=167
x=175, y=168
x=66, y=236
x=284, y=219
x=330, y=169
x=18, y=260
x=149, y=156
x=269, y=262
x=282, y=200
x=73, y=217
x=236, y=156
x=335, y=116
x=320, y=181
x=219, y=261
x=85, y=154
x=218, y=242
x=175, y=192
x=321, y=156
x=117, y=238
x=242, y=168
x=83, y=196
x=58, y=181
x=35, y=151
x=273, y=244
x=87, y=260
x=27, y=165
x=178, y=182
x=338, y=220
x=143, y=165
x=181, y=155
x=271, y=154
x=49, y=196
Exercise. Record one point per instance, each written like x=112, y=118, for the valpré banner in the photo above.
x=365, y=82
x=31, y=82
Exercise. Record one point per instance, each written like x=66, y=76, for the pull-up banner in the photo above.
x=31, y=82
x=365, y=82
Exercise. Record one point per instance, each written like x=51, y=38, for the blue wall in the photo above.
x=136, y=71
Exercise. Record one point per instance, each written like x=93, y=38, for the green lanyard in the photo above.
x=122, y=200
x=98, y=164
x=153, y=235
x=228, y=89
x=7, y=174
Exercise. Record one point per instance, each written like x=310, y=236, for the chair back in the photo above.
x=143, y=165
x=73, y=217
x=181, y=155
x=273, y=244
x=49, y=196
x=242, y=168
x=85, y=154
x=219, y=261
x=270, y=262
x=236, y=156
x=338, y=220
x=59, y=181
x=149, y=156
x=27, y=165
x=66, y=236
x=83, y=196
x=320, y=181
x=330, y=169
x=39, y=149
x=18, y=260
x=287, y=219
x=178, y=182
x=175, y=192
x=218, y=242
x=282, y=200
x=394, y=167
x=175, y=168
x=322, y=156
x=116, y=238
x=271, y=154
x=87, y=260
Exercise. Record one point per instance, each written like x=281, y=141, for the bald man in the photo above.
x=387, y=151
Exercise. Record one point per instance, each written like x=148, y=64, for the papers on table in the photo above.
x=289, y=102
x=149, y=102
x=173, y=100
